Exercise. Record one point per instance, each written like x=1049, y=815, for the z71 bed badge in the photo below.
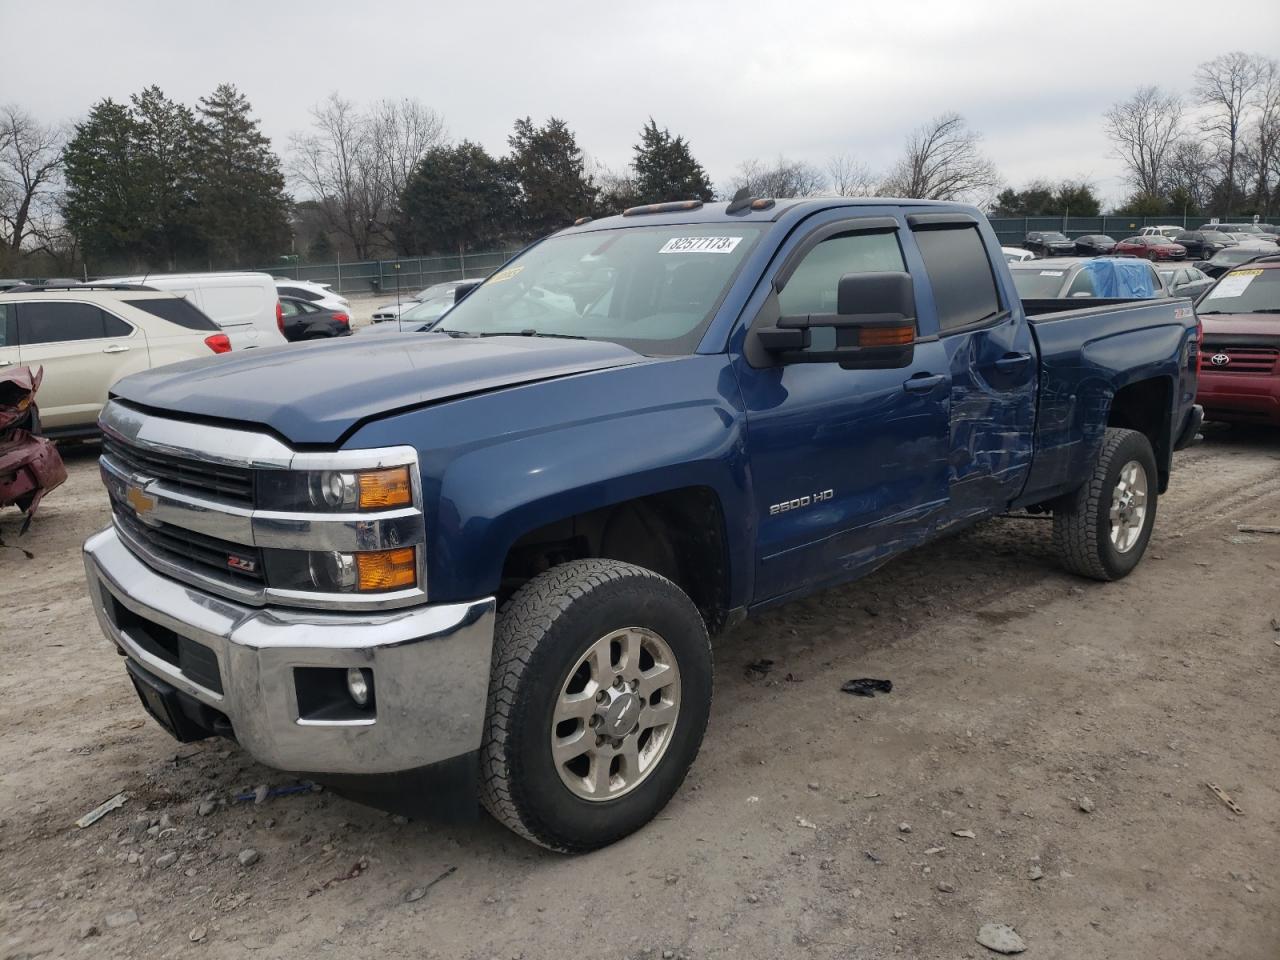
x=800, y=502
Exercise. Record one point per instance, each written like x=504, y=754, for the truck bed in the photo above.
x=1088, y=354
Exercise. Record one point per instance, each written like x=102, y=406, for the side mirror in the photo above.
x=874, y=324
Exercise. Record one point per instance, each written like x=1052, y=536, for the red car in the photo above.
x=1151, y=248
x=1240, y=356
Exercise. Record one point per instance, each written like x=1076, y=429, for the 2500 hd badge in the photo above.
x=800, y=502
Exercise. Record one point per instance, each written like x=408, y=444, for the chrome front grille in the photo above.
x=236, y=563
x=182, y=473
x=191, y=501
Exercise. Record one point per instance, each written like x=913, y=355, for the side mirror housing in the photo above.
x=874, y=324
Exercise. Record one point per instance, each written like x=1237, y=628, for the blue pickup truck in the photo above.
x=487, y=558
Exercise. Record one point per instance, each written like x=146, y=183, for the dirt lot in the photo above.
x=1020, y=696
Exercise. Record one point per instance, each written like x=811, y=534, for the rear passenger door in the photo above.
x=991, y=363
x=83, y=350
x=8, y=336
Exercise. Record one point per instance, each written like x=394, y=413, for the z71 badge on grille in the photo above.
x=800, y=502
x=243, y=564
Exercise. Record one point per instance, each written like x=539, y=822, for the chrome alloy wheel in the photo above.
x=616, y=714
x=1128, y=506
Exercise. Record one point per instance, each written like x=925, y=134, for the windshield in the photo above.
x=1054, y=237
x=1233, y=255
x=1038, y=284
x=1254, y=290
x=651, y=288
x=427, y=309
x=435, y=290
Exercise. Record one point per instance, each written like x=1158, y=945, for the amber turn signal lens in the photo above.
x=385, y=488
x=886, y=336
x=386, y=569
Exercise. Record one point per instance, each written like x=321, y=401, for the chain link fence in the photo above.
x=406, y=275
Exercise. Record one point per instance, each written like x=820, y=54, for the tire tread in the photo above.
x=524, y=620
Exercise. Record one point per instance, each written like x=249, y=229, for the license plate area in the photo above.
x=168, y=706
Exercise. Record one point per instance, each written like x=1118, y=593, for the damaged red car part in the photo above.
x=30, y=466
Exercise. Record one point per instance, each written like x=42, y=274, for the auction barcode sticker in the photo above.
x=700, y=245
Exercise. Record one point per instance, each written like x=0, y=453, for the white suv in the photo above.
x=245, y=305
x=88, y=337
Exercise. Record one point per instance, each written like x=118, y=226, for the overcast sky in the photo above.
x=738, y=79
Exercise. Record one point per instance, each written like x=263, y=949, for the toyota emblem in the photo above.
x=1219, y=359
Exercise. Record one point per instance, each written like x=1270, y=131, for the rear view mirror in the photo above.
x=874, y=324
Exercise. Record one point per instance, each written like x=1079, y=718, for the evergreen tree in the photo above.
x=165, y=168
x=320, y=249
x=547, y=165
x=241, y=209
x=457, y=198
x=666, y=170
x=104, y=196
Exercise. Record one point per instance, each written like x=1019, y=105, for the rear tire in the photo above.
x=554, y=648
x=1101, y=531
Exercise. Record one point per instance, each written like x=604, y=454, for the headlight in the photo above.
x=334, y=491
x=335, y=571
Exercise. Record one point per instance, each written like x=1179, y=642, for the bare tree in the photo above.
x=1262, y=147
x=849, y=177
x=943, y=161
x=1189, y=171
x=785, y=178
x=356, y=164
x=400, y=132
x=30, y=163
x=1226, y=85
x=1143, y=131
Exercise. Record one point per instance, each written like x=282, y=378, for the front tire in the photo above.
x=1101, y=531
x=598, y=701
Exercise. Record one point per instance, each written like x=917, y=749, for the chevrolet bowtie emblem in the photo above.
x=141, y=501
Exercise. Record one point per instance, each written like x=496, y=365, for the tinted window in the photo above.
x=55, y=322
x=964, y=288
x=175, y=310
x=113, y=326
x=813, y=285
x=1038, y=283
x=8, y=331
x=300, y=292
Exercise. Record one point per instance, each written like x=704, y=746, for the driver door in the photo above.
x=848, y=466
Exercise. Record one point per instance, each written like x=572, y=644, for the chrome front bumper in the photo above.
x=430, y=666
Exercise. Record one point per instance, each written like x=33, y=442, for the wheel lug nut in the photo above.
x=599, y=741
x=601, y=697
x=617, y=744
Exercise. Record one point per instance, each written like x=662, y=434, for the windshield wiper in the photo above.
x=511, y=333
x=1266, y=310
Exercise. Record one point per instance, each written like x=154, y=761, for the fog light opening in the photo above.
x=360, y=685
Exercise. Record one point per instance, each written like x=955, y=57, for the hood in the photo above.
x=314, y=393
x=1263, y=326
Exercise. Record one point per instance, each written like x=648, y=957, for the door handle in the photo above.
x=923, y=382
x=1012, y=362
x=115, y=348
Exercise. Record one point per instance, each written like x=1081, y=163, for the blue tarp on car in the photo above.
x=1121, y=277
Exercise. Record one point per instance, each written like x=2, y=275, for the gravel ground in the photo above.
x=1041, y=762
